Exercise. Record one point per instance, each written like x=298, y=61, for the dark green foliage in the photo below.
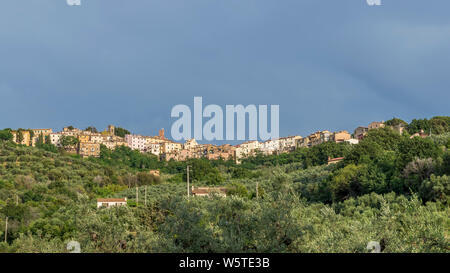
x=91, y=129
x=5, y=134
x=396, y=122
x=121, y=132
x=389, y=188
x=69, y=141
x=437, y=125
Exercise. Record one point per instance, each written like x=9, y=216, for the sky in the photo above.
x=328, y=64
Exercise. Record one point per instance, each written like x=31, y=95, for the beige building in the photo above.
x=87, y=149
x=288, y=144
x=170, y=147
x=111, y=202
x=360, y=132
x=206, y=191
x=341, y=136
x=190, y=144
x=376, y=125
x=30, y=136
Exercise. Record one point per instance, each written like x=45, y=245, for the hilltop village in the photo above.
x=87, y=142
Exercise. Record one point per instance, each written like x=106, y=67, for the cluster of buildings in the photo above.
x=88, y=143
x=83, y=142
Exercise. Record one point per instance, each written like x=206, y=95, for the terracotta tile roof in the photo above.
x=335, y=159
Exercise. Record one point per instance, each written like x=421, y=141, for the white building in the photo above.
x=154, y=148
x=109, y=202
x=289, y=143
x=55, y=139
x=136, y=142
x=270, y=146
x=352, y=141
x=246, y=149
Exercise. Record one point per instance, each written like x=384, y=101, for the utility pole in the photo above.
x=6, y=229
x=137, y=196
x=257, y=195
x=187, y=180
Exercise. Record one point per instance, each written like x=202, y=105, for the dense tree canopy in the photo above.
x=389, y=188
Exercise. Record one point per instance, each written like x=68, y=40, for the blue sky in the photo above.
x=329, y=64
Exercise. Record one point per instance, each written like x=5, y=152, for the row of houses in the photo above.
x=88, y=142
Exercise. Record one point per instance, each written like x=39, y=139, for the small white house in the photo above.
x=352, y=141
x=109, y=202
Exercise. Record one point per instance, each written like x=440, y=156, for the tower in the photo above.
x=161, y=133
x=111, y=129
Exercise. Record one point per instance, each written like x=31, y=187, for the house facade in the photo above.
x=111, y=202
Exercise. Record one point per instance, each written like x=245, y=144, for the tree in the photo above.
x=238, y=189
x=203, y=171
x=417, y=125
x=48, y=140
x=68, y=141
x=121, y=132
x=410, y=149
x=437, y=188
x=19, y=137
x=6, y=134
x=40, y=140
x=91, y=129
x=396, y=122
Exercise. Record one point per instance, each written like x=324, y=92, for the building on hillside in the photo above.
x=136, y=142
x=341, y=136
x=206, y=191
x=325, y=136
x=360, y=132
x=84, y=138
x=55, y=139
x=161, y=134
x=30, y=137
x=38, y=133
x=303, y=142
x=170, y=146
x=269, y=147
x=111, y=202
x=87, y=149
x=111, y=130
x=376, y=125
x=71, y=131
x=288, y=144
x=334, y=160
x=113, y=142
x=246, y=149
x=421, y=134
x=96, y=138
x=155, y=172
x=22, y=137
x=190, y=144
x=153, y=148
x=314, y=139
x=352, y=141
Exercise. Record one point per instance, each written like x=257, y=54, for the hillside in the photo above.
x=389, y=188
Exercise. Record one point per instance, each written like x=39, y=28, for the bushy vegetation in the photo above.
x=389, y=188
